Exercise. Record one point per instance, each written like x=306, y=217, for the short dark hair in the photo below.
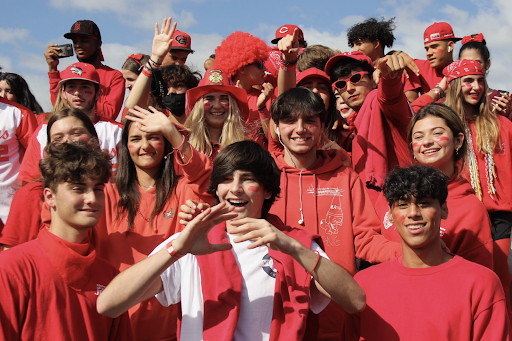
x=416, y=181
x=344, y=68
x=371, y=29
x=298, y=102
x=314, y=56
x=481, y=47
x=74, y=162
x=248, y=156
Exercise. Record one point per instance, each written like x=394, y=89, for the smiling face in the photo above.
x=78, y=205
x=84, y=45
x=80, y=94
x=433, y=144
x=473, y=88
x=216, y=109
x=355, y=94
x=318, y=86
x=418, y=221
x=146, y=149
x=242, y=191
x=439, y=53
x=69, y=129
x=5, y=92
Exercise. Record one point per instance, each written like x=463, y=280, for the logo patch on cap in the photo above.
x=283, y=29
x=181, y=39
x=434, y=36
x=215, y=77
x=76, y=70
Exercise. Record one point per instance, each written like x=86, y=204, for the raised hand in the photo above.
x=190, y=209
x=162, y=40
x=389, y=67
x=52, y=57
x=289, y=46
x=265, y=95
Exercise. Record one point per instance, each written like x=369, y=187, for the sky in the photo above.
x=127, y=26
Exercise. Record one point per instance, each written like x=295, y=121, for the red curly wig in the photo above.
x=240, y=49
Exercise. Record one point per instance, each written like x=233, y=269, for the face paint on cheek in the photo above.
x=83, y=138
x=131, y=146
x=158, y=144
x=437, y=51
x=88, y=92
x=416, y=144
x=466, y=85
x=442, y=139
x=207, y=105
x=254, y=188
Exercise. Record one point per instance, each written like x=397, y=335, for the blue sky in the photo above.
x=127, y=26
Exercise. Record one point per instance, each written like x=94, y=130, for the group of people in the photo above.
x=294, y=192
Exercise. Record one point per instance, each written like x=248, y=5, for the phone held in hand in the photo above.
x=66, y=50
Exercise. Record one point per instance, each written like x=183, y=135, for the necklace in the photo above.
x=146, y=187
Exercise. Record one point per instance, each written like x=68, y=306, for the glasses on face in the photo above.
x=354, y=79
x=260, y=65
x=8, y=75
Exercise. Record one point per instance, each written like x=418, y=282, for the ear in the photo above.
x=390, y=216
x=276, y=127
x=98, y=93
x=49, y=197
x=376, y=44
x=459, y=140
x=451, y=46
x=444, y=211
x=242, y=70
x=487, y=64
x=268, y=194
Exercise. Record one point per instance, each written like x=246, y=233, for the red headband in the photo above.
x=461, y=68
x=137, y=58
x=478, y=38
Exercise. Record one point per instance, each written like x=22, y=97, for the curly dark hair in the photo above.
x=417, y=181
x=371, y=29
x=248, y=156
x=74, y=162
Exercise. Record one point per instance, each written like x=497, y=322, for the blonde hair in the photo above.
x=487, y=124
x=233, y=129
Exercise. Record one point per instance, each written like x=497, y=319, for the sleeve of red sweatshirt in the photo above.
x=54, y=85
x=196, y=172
x=111, y=100
x=421, y=102
x=393, y=102
x=370, y=245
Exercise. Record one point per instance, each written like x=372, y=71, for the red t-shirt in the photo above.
x=427, y=79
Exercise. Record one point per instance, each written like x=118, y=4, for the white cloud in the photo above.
x=352, y=20
x=5, y=63
x=13, y=35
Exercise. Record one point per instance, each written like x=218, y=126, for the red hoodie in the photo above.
x=336, y=207
x=466, y=231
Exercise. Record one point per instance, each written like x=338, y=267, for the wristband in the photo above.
x=174, y=254
x=288, y=67
x=146, y=71
x=288, y=63
x=439, y=91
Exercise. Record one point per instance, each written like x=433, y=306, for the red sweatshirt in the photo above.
x=336, y=207
x=457, y=300
x=427, y=79
x=50, y=288
x=380, y=138
x=112, y=85
x=466, y=231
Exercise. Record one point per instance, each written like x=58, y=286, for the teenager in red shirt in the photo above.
x=436, y=137
x=86, y=38
x=404, y=295
x=210, y=266
x=53, y=282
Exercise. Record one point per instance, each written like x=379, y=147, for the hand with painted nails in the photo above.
x=289, y=47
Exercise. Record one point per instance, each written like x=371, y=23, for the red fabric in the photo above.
x=427, y=79
x=503, y=158
x=478, y=38
x=466, y=232
x=24, y=219
x=461, y=68
x=381, y=134
x=253, y=121
x=112, y=85
x=273, y=63
x=421, y=102
x=336, y=207
x=222, y=287
x=52, y=287
x=457, y=300
x=123, y=248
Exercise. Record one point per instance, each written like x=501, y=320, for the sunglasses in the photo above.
x=354, y=79
x=260, y=65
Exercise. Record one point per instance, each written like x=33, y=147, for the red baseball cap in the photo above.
x=357, y=55
x=216, y=80
x=284, y=30
x=82, y=71
x=181, y=41
x=439, y=31
x=312, y=72
x=461, y=68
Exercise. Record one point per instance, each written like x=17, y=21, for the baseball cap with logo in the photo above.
x=284, y=30
x=181, y=41
x=85, y=27
x=81, y=71
x=439, y=31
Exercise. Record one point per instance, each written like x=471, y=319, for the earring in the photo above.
x=457, y=150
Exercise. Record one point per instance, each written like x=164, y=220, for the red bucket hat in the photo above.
x=439, y=31
x=82, y=71
x=312, y=72
x=461, y=68
x=216, y=80
x=357, y=55
x=181, y=41
x=284, y=30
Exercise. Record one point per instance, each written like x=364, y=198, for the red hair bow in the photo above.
x=478, y=37
x=137, y=58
